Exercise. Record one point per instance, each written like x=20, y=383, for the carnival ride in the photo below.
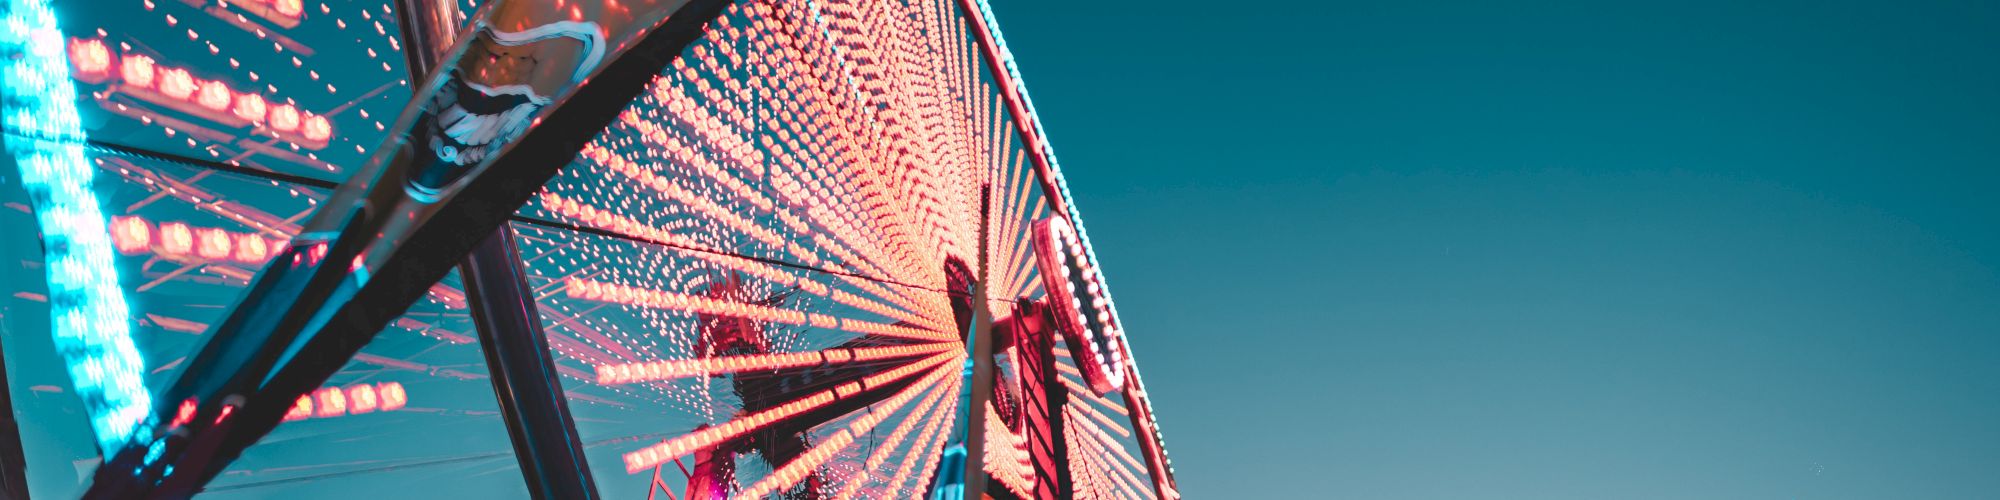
x=670, y=248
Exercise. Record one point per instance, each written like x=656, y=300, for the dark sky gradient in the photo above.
x=1545, y=250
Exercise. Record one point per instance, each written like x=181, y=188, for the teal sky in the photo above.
x=1547, y=250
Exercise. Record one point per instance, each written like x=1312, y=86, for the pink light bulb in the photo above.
x=317, y=128
x=131, y=234
x=215, y=244
x=215, y=96
x=137, y=70
x=289, y=8
x=89, y=56
x=251, y=107
x=176, y=238
x=177, y=83
x=285, y=118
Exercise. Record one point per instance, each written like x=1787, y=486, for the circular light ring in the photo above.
x=1082, y=310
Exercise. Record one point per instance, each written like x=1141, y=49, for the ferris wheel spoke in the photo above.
x=1017, y=255
x=712, y=213
x=928, y=447
x=1007, y=456
x=659, y=299
x=763, y=270
x=607, y=347
x=1098, y=417
x=698, y=119
x=1091, y=480
x=850, y=121
x=664, y=451
x=1093, y=423
x=1028, y=287
x=792, y=472
x=639, y=230
x=927, y=412
x=1096, y=477
x=1077, y=388
x=1121, y=476
x=163, y=184
x=655, y=371
x=1107, y=446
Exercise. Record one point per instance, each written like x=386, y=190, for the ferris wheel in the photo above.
x=641, y=248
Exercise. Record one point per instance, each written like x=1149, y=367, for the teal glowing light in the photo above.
x=91, y=322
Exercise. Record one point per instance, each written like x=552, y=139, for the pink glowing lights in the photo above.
x=175, y=239
x=137, y=70
x=176, y=83
x=178, y=240
x=285, y=118
x=658, y=299
x=654, y=371
x=328, y=402
x=667, y=451
x=179, y=88
x=215, y=96
x=250, y=107
x=316, y=128
x=288, y=8
x=184, y=414
x=1082, y=312
x=284, y=13
x=90, y=57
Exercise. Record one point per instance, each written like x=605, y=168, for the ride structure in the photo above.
x=672, y=248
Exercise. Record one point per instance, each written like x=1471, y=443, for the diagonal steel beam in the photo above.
x=415, y=209
x=525, y=382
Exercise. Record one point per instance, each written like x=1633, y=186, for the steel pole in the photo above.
x=524, y=371
x=525, y=381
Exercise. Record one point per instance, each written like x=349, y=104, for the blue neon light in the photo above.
x=91, y=322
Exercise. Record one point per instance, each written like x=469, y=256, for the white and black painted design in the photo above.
x=473, y=121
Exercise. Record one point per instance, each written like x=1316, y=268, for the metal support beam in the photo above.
x=980, y=342
x=1044, y=398
x=524, y=372
x=429, y=27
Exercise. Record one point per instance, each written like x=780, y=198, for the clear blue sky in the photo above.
x=1547, y=250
